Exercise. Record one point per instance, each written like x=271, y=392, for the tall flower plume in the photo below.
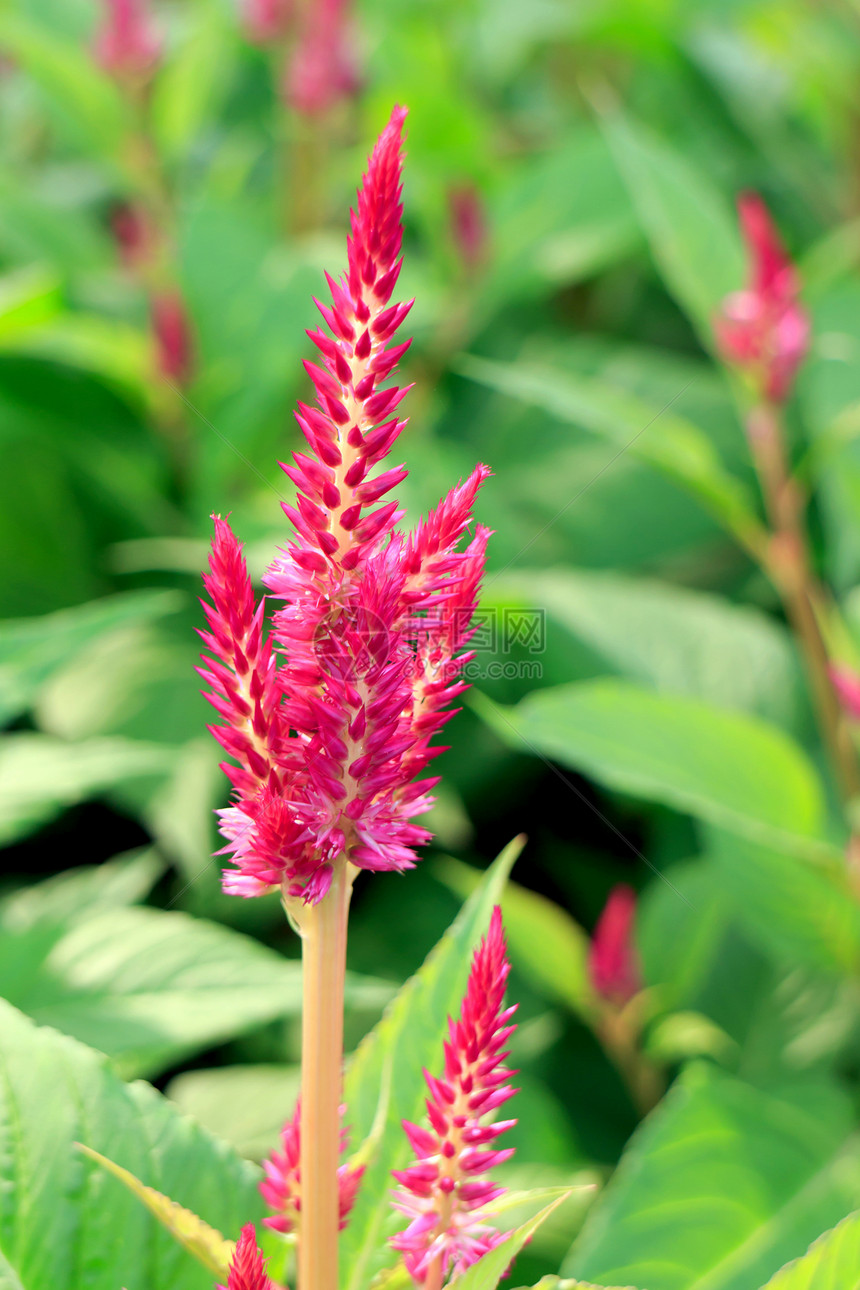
x=444, y=1193
x=281, y=1186
x=247, y=1267
x=764, y=329
x=331, y=717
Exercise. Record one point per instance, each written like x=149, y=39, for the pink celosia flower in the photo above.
x=134, y=235
x=321, y=70
x=127, y=45
x=267, y=21
x=172, y=334
x=764, y=330
x=281, y=1187
x=247, y=1267
x=846, y=683
x=468, y=225
x=613, y=962
x=444, y=1193
x=332, y=721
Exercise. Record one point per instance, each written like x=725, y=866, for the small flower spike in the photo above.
x=444, y=1193
x=764, y=330
x=126, y=45
x=321, y=71
x=247, y=1267
x=846, y=683
x=332, y=716
x=613, y=964
x=281, y=1187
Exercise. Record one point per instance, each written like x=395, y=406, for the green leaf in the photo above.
x=247, y=1106
x=720, y=1185
x=198, y=1238
x=407, y=1039
x=653, y=434
x=32, y=649
x=124, y=880
x=146, y=986
x=191, y=82
x=689, y=225
x=672, y=639
x=545, y=943
x=86, y=100
x=723, y=767
x=832, y=1263
x=39, y=776
x=489, y=1270
x=64, y=1223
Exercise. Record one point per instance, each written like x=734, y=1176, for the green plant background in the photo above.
x=662, y=734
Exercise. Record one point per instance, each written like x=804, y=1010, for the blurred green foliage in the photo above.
x=639, y=709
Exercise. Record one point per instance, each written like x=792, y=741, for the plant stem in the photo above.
x=790, y=568
x=323, y=929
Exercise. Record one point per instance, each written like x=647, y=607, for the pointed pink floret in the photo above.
x=247, y=1267
x=613, y=962
x=127, y=45
x=331, y=718
x=764, y=329
x=444, y=1192
x=281, y=1187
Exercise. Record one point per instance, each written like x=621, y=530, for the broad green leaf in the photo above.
x=832, y=1263
x=651, y=433
x=124, y=880
x=406, y=1040
x=674, y=639
x=147, y=986
x=28, y=298
x=720, y=1185
x=64, y=1223
x=723, y=767
x=688, y=222
x=39, y=775
x=805, y=913
x=545, y=943
x=247, y=1106
x=564, y=1283
x=87, y=102
x=489, y=1270
x=200, y=1240
x=32, y=649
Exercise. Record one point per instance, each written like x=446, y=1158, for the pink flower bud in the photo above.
x=172, y=334
x=322, y=69
x=846, y=683
x=127, y=45
x=468, y=226
x=613, y=962
x=764, y=330
x=281, y=1187
x=247, y=1267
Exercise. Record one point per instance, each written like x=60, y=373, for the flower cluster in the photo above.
x=331, y=718
x=247, y=1267
x=613, y=963
x=764, y=330
x=281, y=1187
x=444, y=1193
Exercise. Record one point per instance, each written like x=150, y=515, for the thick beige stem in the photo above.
x=323, y=929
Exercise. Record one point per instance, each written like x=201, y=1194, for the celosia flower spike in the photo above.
x=281, y=1187
x=613, y=963
x=370, y=644
x=763, y=329
x=445, y=1192
x=321, y=70
x=247, y=1267
x=846, y=683
x=267, y=21
x=126, y=45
